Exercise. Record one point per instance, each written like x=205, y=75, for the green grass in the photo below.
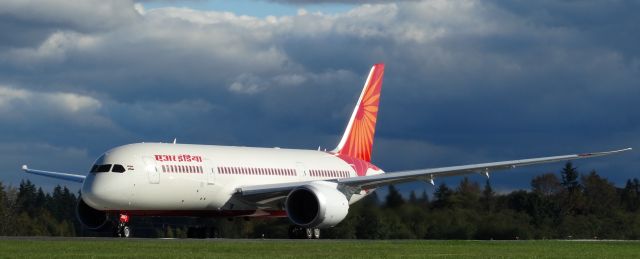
x=326, y=249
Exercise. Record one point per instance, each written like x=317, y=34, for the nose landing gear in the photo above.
x=122, y=228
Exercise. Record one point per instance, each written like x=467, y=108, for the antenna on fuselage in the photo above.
x=174, y=140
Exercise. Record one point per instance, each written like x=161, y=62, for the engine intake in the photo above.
x=90, y=217
x=318, y=204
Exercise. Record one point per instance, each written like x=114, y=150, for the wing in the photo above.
x=264, y=194
x=63, y=176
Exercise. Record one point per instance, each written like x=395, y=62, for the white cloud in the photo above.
x=14, y=100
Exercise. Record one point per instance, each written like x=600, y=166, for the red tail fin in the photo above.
x=357, y=140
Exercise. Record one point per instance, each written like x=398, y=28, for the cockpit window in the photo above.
x=101, y=168
x=118, y=169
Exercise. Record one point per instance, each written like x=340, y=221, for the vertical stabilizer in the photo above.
x=357, y=140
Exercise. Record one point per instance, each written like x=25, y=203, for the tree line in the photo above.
x=569, y=205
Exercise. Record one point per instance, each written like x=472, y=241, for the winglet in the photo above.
x=25, y=168
x=357, y=140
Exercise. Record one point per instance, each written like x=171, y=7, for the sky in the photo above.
x=465, y=82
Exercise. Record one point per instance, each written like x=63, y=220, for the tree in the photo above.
x=424, y=198
x=26, y=198
x=394, y=198
x=487, y=198
x=630, y=196
x=600, y=195
x=546, y=184
x=572, y=201
x=570, y=178
x=467, y=194
x=442, y=196
x=4, y=212
x=412, y=197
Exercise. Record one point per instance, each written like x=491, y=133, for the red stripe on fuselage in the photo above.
x=205, y=213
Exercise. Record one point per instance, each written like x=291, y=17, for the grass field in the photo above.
x=227, y=248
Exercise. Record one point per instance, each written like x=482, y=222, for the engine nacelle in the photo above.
x=90, y=217
x=318, y=204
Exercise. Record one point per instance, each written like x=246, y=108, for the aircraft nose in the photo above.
x=103, y=191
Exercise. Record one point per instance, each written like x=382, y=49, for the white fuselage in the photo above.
x=166, y=179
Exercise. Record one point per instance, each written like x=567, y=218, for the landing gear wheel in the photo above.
x=308, y=233
x=316, y=233
x=122, y=228
x=125, y=231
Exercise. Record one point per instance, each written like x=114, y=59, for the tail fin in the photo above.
x=357, y=140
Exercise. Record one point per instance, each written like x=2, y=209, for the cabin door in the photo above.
x=152, y=170
x=212, y=171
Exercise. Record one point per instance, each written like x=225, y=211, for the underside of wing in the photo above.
x=62, y=176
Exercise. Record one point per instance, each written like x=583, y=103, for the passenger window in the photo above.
x=118, y=169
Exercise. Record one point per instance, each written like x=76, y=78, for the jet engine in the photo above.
x=90, y=217
x=316, y=205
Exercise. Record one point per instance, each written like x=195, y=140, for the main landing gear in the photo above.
x=122, y=228
x=297, y=232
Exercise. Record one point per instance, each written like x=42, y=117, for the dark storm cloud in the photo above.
x=466, y=81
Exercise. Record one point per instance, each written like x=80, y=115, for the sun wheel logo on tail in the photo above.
x=357, y=140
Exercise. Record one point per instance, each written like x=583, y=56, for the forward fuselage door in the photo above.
x=301, y=170
x=211, y=171
x=152, y=170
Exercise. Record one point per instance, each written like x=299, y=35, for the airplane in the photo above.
x=312, y=188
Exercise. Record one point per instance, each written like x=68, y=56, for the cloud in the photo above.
x=466, y=81
x=22, y=104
